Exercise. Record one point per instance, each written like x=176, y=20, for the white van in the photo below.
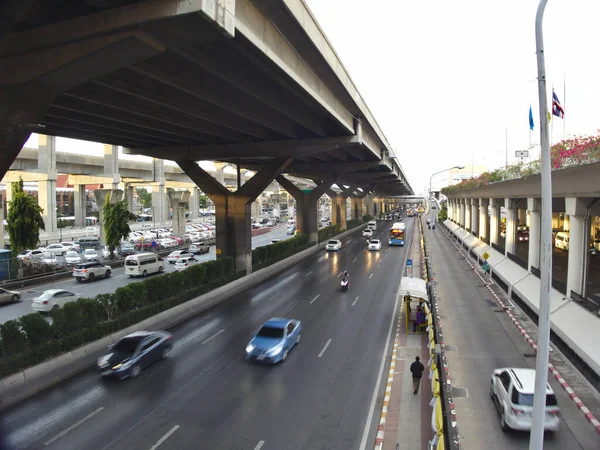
x=143, y=264
x=562, y=240
x=372, y=225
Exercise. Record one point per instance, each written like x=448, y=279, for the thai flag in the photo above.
x=557, y=110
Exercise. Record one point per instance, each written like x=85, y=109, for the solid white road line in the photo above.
x=259, y=445
x=354, y=302
x=213, y=336
x=324, y=348
x=271, y=298
x=370, y=276
x=354, y=260
x=75, y=425
x=308, y=273
x=313, y=300
x=165, y=437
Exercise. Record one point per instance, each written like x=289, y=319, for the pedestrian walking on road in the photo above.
x=416, y=369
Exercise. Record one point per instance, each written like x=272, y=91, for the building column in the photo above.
x=2, y=221
x=129, y=190
x=494, y=220
x=111, y=164
x=510, y=242
x=220, y=173
x=160, y=201
x=80, y=202
x=356, y=206
x=233, y=210
x=338, y=208
x=47, y=185
x=475, y=216
x=178, y=201
x=116, y=195
x=576, y=209
x=194, y=204
x=484, y=223
x=534, y=206
x=467, y=214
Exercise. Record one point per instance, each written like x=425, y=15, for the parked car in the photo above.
x=132, y=353
x=31, y=256
x=512, y=391
x=106, y=253
x=8, y=296
x=198, y=249
x=90, y=271
x=50, y=259
x=374, y=244
x=174, y=256
x=333, y=245
x=57, y=249
x=184, y=262
x=90, y=254
x=72, y=258
x=71, y=246
x=561, y=240
x=274, y=340
x=88, y=242
x=126, y=249
x=53, y=299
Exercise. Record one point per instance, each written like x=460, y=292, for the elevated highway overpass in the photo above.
x=249, y=82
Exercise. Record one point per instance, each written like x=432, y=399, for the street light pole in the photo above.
x=442, y=171
x=536, y=441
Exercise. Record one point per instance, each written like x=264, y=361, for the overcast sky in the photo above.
x=437, y=74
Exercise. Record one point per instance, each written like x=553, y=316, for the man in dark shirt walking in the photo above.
x=416, y=369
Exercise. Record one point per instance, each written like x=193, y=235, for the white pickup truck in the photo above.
x=90, y=271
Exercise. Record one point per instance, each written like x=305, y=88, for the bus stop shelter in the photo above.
x=416, y=304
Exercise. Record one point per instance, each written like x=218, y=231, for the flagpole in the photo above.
x=551, y=121
x=564, y=106
x=506, y=128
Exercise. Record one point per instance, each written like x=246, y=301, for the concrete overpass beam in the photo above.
x=233, y=209
x=116, y=195
x=534, y=206
x=306, y=205
x=510, y=243
x=178, y=201
x=576, y=209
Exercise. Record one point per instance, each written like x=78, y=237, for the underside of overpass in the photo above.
x=181, y=81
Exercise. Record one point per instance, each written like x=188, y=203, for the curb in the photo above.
x=572, y=395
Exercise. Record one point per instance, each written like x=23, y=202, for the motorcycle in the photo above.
x=344, y=285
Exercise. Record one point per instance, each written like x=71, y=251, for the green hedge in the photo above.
x=353, y=223
x=31, y=339
x=328, y=232
x=367, y=218
x=270, y=254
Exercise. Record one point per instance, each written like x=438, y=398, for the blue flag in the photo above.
x=530, y=118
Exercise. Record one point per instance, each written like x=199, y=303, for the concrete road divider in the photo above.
x=21, y=385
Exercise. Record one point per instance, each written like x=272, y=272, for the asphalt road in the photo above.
x=481, y=338
x=118, y=279
x=208, y=397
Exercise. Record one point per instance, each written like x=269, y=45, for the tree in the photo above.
x=144, y=196
x=116, y=223
x=202, y=201
x=24, y=220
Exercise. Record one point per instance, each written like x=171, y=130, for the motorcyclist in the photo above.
x=346, y=276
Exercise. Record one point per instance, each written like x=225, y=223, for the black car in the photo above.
x=129, y=355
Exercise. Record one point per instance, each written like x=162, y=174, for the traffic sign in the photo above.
x=218, y=251
x=409, y=262
x=153, y=244
x=486, y=256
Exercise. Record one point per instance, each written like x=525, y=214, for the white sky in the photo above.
x=436, y=74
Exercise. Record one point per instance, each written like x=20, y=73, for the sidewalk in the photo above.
x=406, y=418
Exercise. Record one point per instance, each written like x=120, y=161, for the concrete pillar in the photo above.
x=510, y=242
x=220, y=173
x=178, y=201
x=47, y=186
x=338, y=208
x=2, y=222
x=576, y=209
x=369, y=206
x=80, y=202
x=116, y=195
x=534, y=206
x=233, y=210
x=494, y=221
x=475, y=216
x=463, y=212
x=194, y=203
x=129, y=190
x=111, y=164
x=484, y=223
x=356, y=205
x=160, y=206
x=467, y=214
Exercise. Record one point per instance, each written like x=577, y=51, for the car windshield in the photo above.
x=127, y=345
x=90, y=251
x=375, y=241
x=270, y=332
x=332, y=242
x=72, y=254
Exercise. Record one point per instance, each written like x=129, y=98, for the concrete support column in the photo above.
x=47, y=186
x=116, y=195
x=462, y=207
x=484, y=223
x=129, y=189
x=338, y=208
x=510, y=244
x=356, y=206
x=468, y=214
x=2, y=223
x=233, y=210
x=160, y=201
x=178, y=201
x=111, y=164
x=576, y=209
x=194, y=203
x=534, y=206
x=494, y=221
x=80, y=202
x=220, y=173
x=475, y=216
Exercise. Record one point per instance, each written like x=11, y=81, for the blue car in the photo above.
x=128, y=356
x=275, y=339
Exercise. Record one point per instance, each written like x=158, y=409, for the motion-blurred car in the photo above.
x=274, y=340
x=7, y=296
x=374, y=244
x=333, y=245
x=106, y=253
x=52, y=299
x=367, y=232
x=198, y=249
x=30, y=256
x=90, y=271
x=132, y=353
x=184, y=262
x=512, y=391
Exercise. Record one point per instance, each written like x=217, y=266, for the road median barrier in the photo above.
x=27, y=381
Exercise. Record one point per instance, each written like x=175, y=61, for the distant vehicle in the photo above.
x=132, y=353
x=126, y=249
x=90, y=254
x=57, y=249
x=174, y=256
x=199, y=249
x=71, y=246
x=90, y=271
x=374, y=244
x=274, y=340
x=333, y=245
x=50, y=258
x=367, y=232
x=29, y=256
x=106, y=253
x=52, y=299
x=88, y=242
x=143, y=264
x=372, y=225
x=7, y=296
x=512, y=391
x=562, y=240
x=184, y=262
x=397, y=234
x=72, y=258
x=290, y=230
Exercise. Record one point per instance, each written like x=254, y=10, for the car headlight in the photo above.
x=275, y=351
x=117, y=366
x=249, y=348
